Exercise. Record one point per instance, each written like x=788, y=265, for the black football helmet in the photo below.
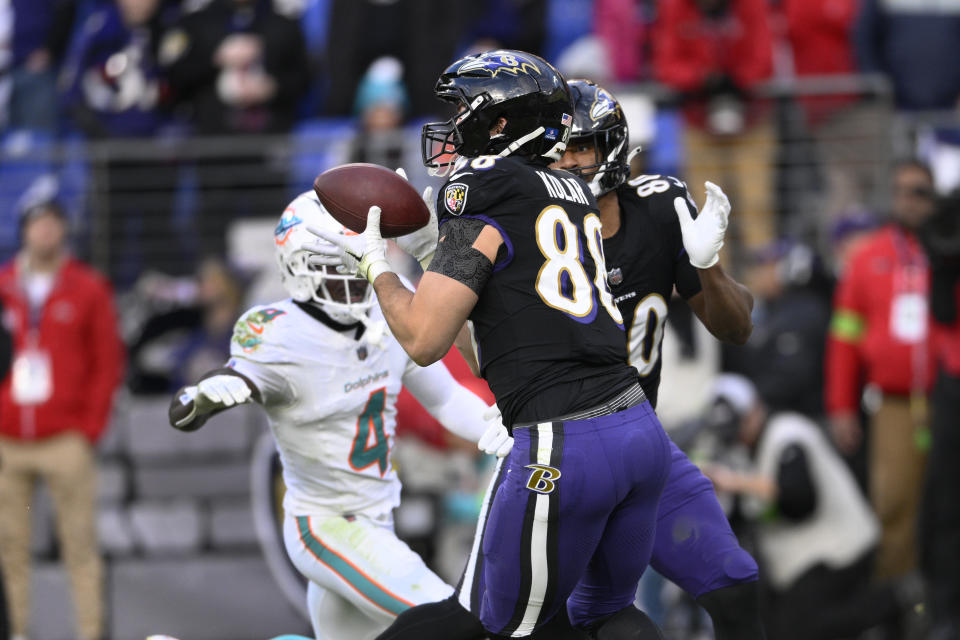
x=599, y=120
x=521, y=87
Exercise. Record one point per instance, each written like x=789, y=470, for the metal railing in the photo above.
x=163, y=204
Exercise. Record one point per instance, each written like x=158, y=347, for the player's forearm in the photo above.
x=726, y=306
x=190, y=406
x=410, y=328
x=183, y=412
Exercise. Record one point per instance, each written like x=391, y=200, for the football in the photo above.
x=348, y=192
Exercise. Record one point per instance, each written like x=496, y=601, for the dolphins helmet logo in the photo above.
x=285, y=227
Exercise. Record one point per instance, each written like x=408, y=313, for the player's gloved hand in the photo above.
x=210, y=394
x=703, y=237
x=221, y=391
x=364, y=254
x=422, y=243
x=496, y=439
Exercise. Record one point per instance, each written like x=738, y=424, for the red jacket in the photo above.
x=820, y=33
x=78, y=329
x=689, y=47
x=865, y=343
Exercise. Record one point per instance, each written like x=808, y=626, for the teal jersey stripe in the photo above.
x=355, y=578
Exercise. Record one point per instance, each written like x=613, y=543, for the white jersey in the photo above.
x=331, y=403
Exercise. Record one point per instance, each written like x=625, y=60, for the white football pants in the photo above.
x=361, y=575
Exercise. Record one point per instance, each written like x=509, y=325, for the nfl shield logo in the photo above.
x=615, y=276
x=455, y=197
x=362, y=352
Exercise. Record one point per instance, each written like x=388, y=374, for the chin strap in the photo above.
x=519, y=142
x=374, y=330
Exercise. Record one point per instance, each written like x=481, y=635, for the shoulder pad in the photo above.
x=254, y=329
x=478, y=185
x=659, y=192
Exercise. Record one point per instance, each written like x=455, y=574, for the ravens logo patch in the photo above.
x=455, y=197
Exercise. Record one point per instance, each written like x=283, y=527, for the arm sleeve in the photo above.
x=183, y=407
x=455, y=256
x=843, y=364
x=105, y=353
x=796, y=495
x=456, y=408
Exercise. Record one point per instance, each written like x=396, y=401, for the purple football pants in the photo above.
x=695, y=547
x=571, y=513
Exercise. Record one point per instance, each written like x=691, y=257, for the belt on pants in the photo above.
x=629, y=397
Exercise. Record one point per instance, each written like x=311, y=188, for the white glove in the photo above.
x=364, y=254
x=422, y=243
x=495, y=440
x=703, y=237
x=221, y=391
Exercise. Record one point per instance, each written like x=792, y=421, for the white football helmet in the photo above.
x=345, y=298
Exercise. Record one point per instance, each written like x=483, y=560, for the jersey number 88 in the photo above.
x=559, y=242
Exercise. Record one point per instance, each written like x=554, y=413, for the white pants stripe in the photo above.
x=538, y=542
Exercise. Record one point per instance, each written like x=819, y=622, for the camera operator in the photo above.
x=940, y=516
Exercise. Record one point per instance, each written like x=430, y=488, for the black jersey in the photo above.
x=550, y=339
x=645, y=260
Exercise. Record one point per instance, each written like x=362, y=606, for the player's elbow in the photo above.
x=741, y=334
x=425, y=353
x=736, y=334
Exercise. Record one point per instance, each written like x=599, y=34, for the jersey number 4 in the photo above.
x=370, y=444
x=563, y=282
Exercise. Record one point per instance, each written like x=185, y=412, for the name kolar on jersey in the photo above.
x=563, y=188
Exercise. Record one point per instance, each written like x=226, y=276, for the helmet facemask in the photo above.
x=609, y=169
x=465, y=134
x=345, y=298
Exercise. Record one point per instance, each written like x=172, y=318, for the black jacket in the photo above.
x=187, y=53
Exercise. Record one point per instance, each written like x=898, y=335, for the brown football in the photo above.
x=348, y=192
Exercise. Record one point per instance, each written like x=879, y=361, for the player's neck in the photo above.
x=321, y=316
x=609, y=207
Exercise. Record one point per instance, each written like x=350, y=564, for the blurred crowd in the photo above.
x=831, y=437
x=729, y=81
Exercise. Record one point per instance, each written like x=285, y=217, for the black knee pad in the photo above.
x=627, y=624
x=735, y=611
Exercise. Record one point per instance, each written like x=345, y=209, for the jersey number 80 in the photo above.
x=563, y=282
